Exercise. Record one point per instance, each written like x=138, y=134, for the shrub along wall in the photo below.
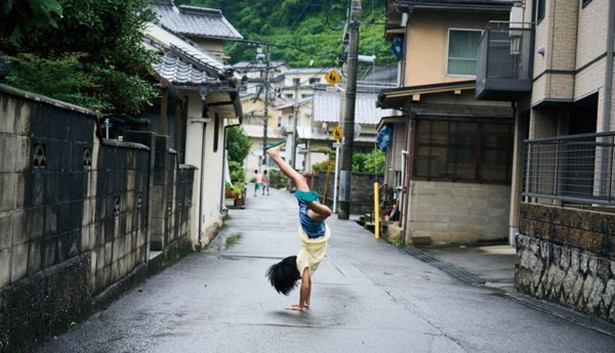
x=76, y=214
x=568, y=256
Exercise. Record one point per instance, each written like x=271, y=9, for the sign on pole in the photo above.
x=337, y=133
x=333, y=77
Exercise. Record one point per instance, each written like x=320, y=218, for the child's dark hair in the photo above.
x=284, y=275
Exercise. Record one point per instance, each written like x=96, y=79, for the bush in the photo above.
x=278, y=179
x=61, y=78
x=238, y=187
x=321, y=167
x=238, y=174
x=372, y=162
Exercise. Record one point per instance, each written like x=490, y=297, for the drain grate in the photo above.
x=449, y=269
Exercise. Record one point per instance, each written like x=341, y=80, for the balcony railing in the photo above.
x=504, y=68
x=573, y=169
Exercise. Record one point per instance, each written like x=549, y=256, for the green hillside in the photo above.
x=302, y=30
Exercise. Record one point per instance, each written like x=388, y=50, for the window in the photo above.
x=586, y=2
x=538, y=10
x=462, y=47
x=314, y=80
x=464, y=151
x=296, y=82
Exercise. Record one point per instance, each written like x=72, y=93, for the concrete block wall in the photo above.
x=43, y=176
x=361, y=190
x=456, y=213
x=76, y=214
x=114, y=232
x=45, y=280
x=567, y=256
x=182, y=205
x=162, y=197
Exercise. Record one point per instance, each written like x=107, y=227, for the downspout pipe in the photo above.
x=608, y=85
x=409, y=167
x=202, y=181
x=608, y=92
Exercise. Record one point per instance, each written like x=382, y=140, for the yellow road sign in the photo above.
x=333, y=77
x=337, y=133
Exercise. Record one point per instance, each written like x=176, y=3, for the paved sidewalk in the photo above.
x=493, y=263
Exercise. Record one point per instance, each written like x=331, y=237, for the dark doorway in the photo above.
x=578, y=156
x=584, y=115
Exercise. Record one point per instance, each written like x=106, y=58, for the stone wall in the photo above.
x=76, y=214
x=567, y=256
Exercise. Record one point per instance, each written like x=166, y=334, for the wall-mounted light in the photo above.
x=541, y=50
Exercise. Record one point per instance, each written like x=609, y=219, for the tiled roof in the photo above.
x=178, y=71
x=327, y=107
x=195, y=21
x=167, y=39
x=183, y=63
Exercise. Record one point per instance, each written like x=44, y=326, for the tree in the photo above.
x=238, y=144
x=25, y=16
x=238, y=147
x=106, y=38
x=372, y=162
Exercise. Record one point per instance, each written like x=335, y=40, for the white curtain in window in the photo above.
x=462, y=47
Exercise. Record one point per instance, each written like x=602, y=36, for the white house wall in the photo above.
x=208, y=175
x=194, y=149
x=213, y=169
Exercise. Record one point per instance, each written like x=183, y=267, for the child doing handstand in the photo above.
x=314, y=234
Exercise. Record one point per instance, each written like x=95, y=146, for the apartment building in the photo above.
x=554, y=62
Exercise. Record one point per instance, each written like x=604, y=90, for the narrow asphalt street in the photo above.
x=368, y=296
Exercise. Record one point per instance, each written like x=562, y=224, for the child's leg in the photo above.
x=285, y=168
x=321, y=211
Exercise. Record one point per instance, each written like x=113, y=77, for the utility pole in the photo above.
x=351, y=95
x=296, y=117
x=266, y=104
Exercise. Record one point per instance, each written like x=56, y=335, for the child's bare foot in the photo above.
x=275, y=151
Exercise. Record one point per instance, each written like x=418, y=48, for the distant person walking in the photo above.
x=258, y=179
x=266, y=182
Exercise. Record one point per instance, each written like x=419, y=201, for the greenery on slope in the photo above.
x=303, y=31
